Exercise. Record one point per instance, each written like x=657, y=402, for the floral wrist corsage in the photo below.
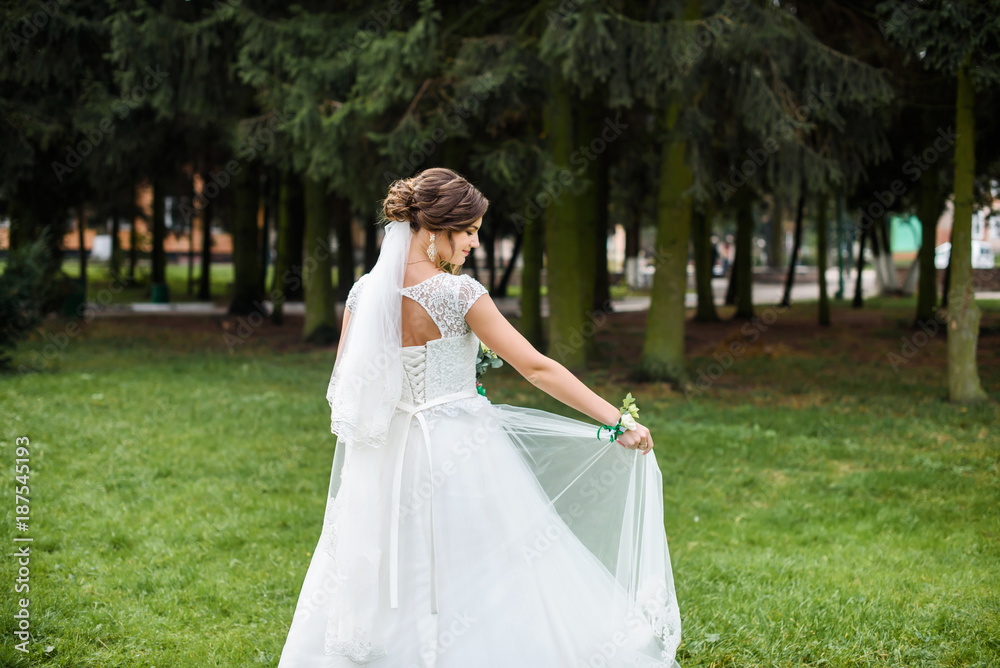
x=486, y=359
x=629, y=412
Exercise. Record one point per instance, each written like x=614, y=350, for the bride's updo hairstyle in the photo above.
x=438, y=200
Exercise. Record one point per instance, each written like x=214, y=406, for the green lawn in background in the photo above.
x=221, y=276
x=822, y=509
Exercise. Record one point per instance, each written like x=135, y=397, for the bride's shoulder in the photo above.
x=469, y=290
x=468, y=281
x=359, y=283
x=353, y=294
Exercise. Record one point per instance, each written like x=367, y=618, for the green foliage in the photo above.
x=944, y=34
x=25, y=289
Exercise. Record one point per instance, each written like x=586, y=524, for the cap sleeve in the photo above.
x=469, y=290
x=355, y=293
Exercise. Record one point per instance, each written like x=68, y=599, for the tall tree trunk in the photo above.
x=821, y=251
x=947, y=272
x=734, y=277
x=115, y=265
x=133, y=234
x=840, y=246
x=246, y=235
x=881, y=280
x=205, y=278
x=929, y=207
x=632, y=237
x=602, y=277
x=472, y=262
x=190, y=218
x=891, y=282
x=343, y=222
x=859, y=298
x=963, y=312
x=159, y=255
x=600, y=172
x=701, y=239
x=663, y=347
x=592, y=217
x=283, y=272
x=776, y=235
x=492, y=262
x=81, y=228
x=321, y=315
x=566, y=234
x=532, y=327
x=293, y=287
x=744, y=257
x=371, y=246
x=909, y=286
x=21, y=230
x=786, y=299
x=267, y=202
x=503, y=285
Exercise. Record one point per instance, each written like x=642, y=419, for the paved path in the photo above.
x=764, y=292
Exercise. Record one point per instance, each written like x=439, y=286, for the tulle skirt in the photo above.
x=512, y=537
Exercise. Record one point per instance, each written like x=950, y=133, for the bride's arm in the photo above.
x=343, y=330
x=543, y=372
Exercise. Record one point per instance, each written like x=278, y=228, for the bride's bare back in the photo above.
x=418, y=326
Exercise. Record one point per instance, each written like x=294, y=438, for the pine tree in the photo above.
x=961, y=39
x=743, y=82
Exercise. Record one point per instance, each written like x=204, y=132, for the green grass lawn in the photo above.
x=104, y=289
x=822, y=509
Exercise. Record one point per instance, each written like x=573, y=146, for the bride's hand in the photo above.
x=637, y=439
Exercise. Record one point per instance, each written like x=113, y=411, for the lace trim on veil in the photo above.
x=359, y=649
x=658, y=605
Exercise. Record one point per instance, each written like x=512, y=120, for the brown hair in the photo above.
x=436, y=199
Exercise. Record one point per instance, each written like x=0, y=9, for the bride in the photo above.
x=460, y=533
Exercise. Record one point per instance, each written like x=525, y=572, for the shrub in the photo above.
x=25, y=289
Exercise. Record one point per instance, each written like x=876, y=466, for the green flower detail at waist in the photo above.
x=485, y=360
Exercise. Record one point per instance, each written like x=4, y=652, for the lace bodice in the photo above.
x=446, y=364
x=445, y=297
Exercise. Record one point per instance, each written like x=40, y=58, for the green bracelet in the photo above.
x=628, y=406
x=616, y=431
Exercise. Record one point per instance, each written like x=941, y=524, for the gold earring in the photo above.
x=432, y=249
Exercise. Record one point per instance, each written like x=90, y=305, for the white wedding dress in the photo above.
x=507, y=537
